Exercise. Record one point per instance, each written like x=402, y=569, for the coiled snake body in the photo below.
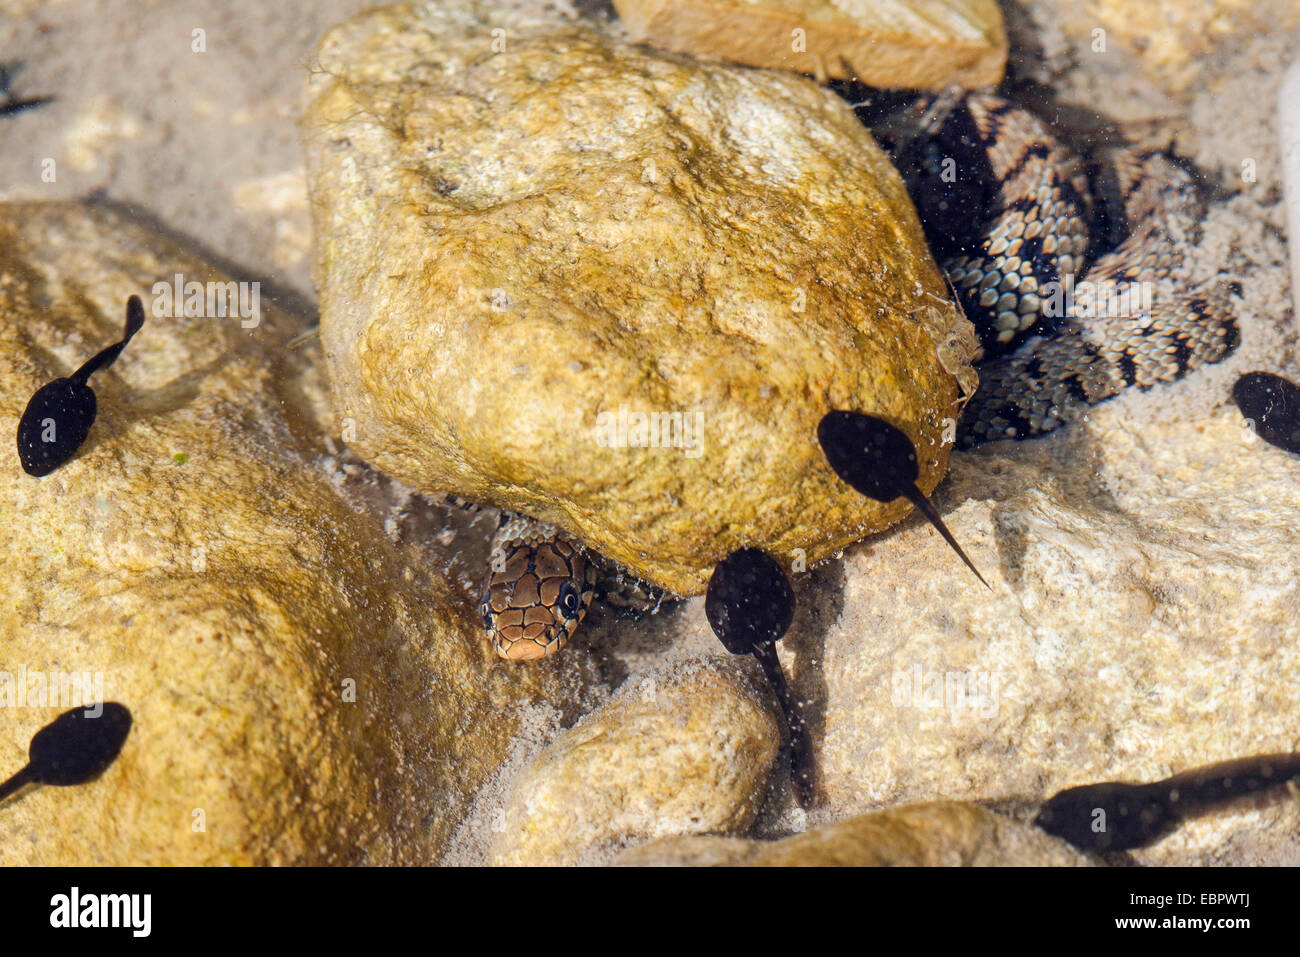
x=1007, y=210
x=1013, y=252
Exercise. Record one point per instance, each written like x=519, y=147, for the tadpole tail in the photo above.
x=10, y=107
x=915, y=496
x=134, y=318
x=1206, y=786
x=17, y=783
x=104, y=359
x=800, y=757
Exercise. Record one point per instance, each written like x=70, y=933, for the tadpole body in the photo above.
x=1272, y=404
x=1118, y=816
x=879, y=461
x=74, y=748
x=1113, y=816
x=59, y=415
x=750, y=605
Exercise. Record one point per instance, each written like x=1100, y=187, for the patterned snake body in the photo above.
x=1007, y=210
x=1040, y=355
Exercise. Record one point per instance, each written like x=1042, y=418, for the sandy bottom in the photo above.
x=203, y=144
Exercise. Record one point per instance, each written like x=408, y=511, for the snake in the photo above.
x=1007, y=209
x=538, y=590
x=1007, y=245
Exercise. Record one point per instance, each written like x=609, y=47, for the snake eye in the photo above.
x=569, y=600
x=486, y=611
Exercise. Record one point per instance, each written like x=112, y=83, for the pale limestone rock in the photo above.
x=1142, y=622
x=919, y=44
x=194, y=556
x=939, y=834
x=511, y=244
x=1170, y=39
x=685, y=751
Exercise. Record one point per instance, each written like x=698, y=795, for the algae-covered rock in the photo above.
x=684, y=752
x=301, y=692
x=938, y=834
x=616, y=289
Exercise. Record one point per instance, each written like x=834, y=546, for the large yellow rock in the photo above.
x=302, y=690
x=528, y=231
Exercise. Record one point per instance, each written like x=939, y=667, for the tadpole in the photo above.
x=1118, y=816
x=59, y=416
x=750, y=605
x=879, y=460
x=74, y=748
x=10, y=103
x=1272, y=404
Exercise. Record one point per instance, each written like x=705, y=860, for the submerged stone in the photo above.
x=616, y=289
x=682, y=751
x=302, y=691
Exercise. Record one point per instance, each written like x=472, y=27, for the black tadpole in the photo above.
x=74, y=748
x=1113, y=816
x=879, y=461
x=750, y=605
x=1272, y=404
x=1117, y=816
x=59, y=416
x=11, y=104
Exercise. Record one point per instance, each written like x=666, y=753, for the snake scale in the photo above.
x=1008, y=211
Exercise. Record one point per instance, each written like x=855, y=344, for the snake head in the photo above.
x=536, y=595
